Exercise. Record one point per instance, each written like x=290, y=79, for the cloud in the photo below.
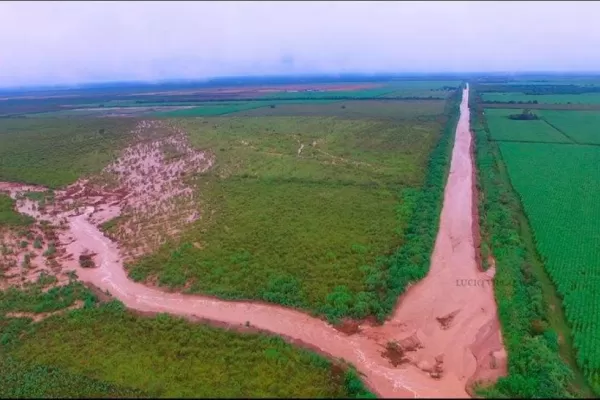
x=71, y=42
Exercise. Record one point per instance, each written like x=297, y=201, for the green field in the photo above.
x=105, y=351
x=356, y=94
x=580, y=126
x=584, y=98
x=216, y=108
x=535, y=330
x=396, y=109
x=503, y=128
x=422, y=89
x=267, y=203
x=57, y=151
x=559, y=187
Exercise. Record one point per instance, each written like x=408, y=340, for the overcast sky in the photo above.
x=73, y=42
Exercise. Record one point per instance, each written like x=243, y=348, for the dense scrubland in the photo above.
x=279, y=181
x=536, y=213
x=135, y=356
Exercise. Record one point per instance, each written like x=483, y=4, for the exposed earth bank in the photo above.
x=443, y=336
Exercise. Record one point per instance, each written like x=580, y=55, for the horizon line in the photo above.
x=337, y=76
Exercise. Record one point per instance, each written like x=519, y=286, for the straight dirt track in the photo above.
x=444, y=333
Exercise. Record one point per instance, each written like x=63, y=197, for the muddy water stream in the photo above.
x=449, y=317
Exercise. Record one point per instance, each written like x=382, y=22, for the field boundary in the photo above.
x=561, y=131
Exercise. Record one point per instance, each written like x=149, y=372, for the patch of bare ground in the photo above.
x=31, y=254
x=145, y=192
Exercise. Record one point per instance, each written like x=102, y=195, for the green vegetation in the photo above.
x=423, y=89
x=536, y=130
x=559, y=187
x=218, y=108
x=9, y=216
x=381, y=109
x=278, y=181
x=520, y=98
x=581, y=126
x=161, y=356
x=528, y=307
x=331, y=94
x=56, y=151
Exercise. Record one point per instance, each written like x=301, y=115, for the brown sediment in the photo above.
x=445, y=334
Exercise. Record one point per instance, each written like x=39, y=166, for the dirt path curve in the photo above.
x=452, y=326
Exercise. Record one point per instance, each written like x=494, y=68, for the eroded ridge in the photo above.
x=442, y=337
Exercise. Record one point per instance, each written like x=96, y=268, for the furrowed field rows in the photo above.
x=503, y=128
x=581, y=126
x=559, y=187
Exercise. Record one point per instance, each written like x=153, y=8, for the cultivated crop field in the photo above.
x=581, y=126
x=56, y=151
x=559, y=187
x=553, y=165
x=503, y=128
x=423, y=89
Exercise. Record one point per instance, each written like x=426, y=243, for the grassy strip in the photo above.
x=161, y=356
x=535, y=369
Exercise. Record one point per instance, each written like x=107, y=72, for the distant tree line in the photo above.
x=511, y=102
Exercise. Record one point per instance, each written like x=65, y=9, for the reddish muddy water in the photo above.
x=446, y=325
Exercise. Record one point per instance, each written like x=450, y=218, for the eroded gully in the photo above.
x=454, y=323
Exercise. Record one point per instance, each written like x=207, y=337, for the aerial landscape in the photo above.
x=287, y=229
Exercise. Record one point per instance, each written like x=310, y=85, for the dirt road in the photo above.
x=447, y=323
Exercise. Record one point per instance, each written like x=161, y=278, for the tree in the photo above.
x=526, y=115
